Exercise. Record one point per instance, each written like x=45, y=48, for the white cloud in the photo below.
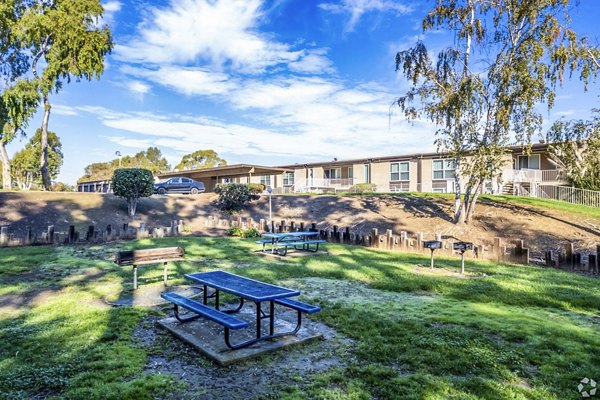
x=138, y=87
x=313, y=62
x=60, y=109
x=357, y=8
x=214, y=32
x=186, y=80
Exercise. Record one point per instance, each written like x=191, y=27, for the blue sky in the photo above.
x=265, y=82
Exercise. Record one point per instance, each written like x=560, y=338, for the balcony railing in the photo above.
x=316, y=184
x=534, y=175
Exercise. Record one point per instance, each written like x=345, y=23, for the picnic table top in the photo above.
x=241, y=286
x=289, y=234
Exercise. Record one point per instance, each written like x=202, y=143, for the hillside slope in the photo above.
x=541, y=228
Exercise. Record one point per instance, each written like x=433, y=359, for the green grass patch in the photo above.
x=508, y=332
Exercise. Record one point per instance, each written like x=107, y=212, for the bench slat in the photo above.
x=288, y=244
x=215, y=315
x=298, y=305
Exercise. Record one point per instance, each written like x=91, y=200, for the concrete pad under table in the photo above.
x=208, y=338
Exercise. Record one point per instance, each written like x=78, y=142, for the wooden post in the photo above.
x=71, y=237
x=593, y=266
x=374, y=237
x=125, y=230
x=293, y=226
x=261, y=222
x=28, y=237
x=420, y=240
x=525, y=256
x=346, y=238
x=50, y=234
x=569, y=255
x=335, y=234
x=301, y=226
x=388, y=234
x=548, y=256
x=497, y=249
x=109, y=232
x=4, y=236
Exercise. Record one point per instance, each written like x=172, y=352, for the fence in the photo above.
x=93, y=234
x=584, y=197
x=500, y=250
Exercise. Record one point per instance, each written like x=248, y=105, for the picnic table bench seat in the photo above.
x=298, y=305
x=305, y=245
x=227, y=320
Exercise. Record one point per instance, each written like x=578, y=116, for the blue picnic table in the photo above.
x=246, y=289
x=280, y=242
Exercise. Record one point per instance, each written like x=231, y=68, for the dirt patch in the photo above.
x=541, y=229
x=425, y=270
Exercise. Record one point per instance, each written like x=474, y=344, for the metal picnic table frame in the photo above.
x=246, y=289
x=283, y=237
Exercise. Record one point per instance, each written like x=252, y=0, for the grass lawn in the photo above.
x=509, y=332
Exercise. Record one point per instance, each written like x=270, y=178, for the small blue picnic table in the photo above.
x=246, y=289
x=298, y=240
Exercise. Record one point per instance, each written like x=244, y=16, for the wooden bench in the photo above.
x=304, y=243
x=149, y=256
x=201, y=310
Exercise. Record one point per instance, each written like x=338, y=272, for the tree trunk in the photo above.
x=46, y=183
x=471, y=209
x=457, y=202
x=6, y=181
x=132, y=205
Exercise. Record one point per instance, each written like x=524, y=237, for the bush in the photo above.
x=364, y=188
x=132, y=184
x=256, y=189
x=243, y=233
x=61, y=187
x=233, y=196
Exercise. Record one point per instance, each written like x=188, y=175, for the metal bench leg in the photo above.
x=135, y=285
x=184, y=319
x=165, y=274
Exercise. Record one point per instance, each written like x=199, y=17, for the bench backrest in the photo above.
x=147, y=256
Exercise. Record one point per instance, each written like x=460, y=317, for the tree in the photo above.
x=200, y=159
x=151, y=159
x=575, y=148
x=66, y=42
x=133, y=184
x=17, y=104
x=482, y=104
x=25, y=168
x=19, y=98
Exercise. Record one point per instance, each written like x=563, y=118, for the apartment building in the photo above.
x=422, y=172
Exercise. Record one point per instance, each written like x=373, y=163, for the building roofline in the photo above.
x=401, y=157
x=223, y=168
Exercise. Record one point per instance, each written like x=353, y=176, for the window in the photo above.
x=333, y=173
x=399, y=171
x=443, y=169
x=350, y=172
x=288, y=179
x=529, y=162
x=186, y=180
x=265, y=180
x=367, y=173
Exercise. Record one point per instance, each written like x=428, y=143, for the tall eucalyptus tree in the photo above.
x=508, y=56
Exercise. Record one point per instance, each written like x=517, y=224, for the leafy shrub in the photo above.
x=132, y=184
x=256, y=188
x=233, y=196
x=243, y=233
x=364, y=188
x=235, y=231
x=61, y=187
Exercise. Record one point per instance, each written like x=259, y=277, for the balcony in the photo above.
x=534, y=175
x=324, y=185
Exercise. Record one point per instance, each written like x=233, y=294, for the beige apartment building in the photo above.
x=422, y=172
